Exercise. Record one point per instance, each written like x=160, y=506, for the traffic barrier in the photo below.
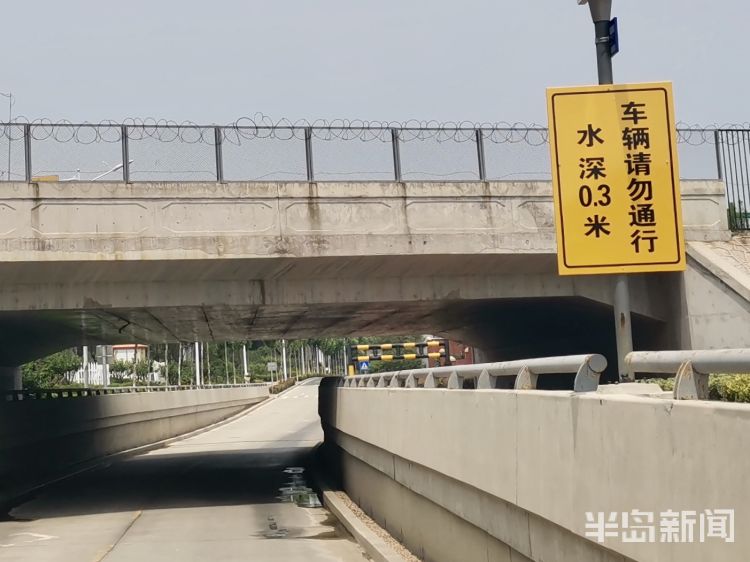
x=432, y=349
x=57, y=393
x=692, y=368
x=587, y=368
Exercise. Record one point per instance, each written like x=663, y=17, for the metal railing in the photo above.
x=188, y=152
x=43, y=151
x=733, y=162
x=691, y=368
x=60, y=393
x=238, y=153
x=587, y=370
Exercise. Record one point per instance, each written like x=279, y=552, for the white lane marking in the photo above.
x=36, y=537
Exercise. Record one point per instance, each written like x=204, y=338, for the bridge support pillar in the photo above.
x=10, y=378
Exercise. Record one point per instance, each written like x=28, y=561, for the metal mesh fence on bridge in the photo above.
x=345, y=151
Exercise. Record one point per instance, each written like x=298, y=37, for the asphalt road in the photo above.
x=214, y=496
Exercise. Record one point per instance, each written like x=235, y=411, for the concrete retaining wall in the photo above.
x=39, y=438
x=524, y=467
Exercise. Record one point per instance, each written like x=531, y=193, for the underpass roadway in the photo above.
x=217, y=495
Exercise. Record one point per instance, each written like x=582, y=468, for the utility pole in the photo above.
x=226, y=364
x=197, y=357
x=601, y=14
x=85, y=368
x=207, y=345
x=283, y=357
x=234, y=367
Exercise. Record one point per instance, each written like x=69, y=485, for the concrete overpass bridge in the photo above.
x=247, y=231
x=90, y=262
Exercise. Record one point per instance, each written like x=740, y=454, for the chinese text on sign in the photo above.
x=615, y=178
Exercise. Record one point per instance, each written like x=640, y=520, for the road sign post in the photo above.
x=272, y=367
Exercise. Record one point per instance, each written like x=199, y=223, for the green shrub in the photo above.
x=666, y=385
x=49, y=372
x=141, y=370
x=121, y=368
x=281, y=386
x=398, y=365
x=727, y=388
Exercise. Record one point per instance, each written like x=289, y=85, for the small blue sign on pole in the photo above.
x=614, y=38
x=364, y=366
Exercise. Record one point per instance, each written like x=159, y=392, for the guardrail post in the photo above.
x=411, y=381
x=26, y=152
x=525, y=380
x=455, y=382
x=480, y=155
x=125, y=153
x=690, y=384
x=396, y=146
x=309, y=154
x=486, y=381
x=429, y=381
x=218, y=137
x=587, y=379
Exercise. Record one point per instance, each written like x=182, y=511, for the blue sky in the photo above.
x=476, y=60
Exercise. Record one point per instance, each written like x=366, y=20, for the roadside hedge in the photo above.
x=727, y=388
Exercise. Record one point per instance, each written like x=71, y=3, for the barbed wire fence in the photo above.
x=259, y=148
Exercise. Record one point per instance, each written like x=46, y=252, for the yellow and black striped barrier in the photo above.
x=432, y=349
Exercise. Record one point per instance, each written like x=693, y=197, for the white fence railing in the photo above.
x=94, y=374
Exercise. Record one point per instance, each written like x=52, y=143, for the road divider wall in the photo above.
x=43, y=438
x=513, y=474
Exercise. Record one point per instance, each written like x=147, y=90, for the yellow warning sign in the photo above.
x=616, y=179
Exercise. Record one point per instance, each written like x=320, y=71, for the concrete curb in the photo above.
x=375, y=547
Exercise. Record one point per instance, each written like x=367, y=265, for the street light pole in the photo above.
x=601, y=14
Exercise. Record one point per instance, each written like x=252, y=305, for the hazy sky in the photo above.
x=477, y=60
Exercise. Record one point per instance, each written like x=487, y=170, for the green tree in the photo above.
x=187, y=372
x=49, y=372
x=121, y=368
x=141, y=368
